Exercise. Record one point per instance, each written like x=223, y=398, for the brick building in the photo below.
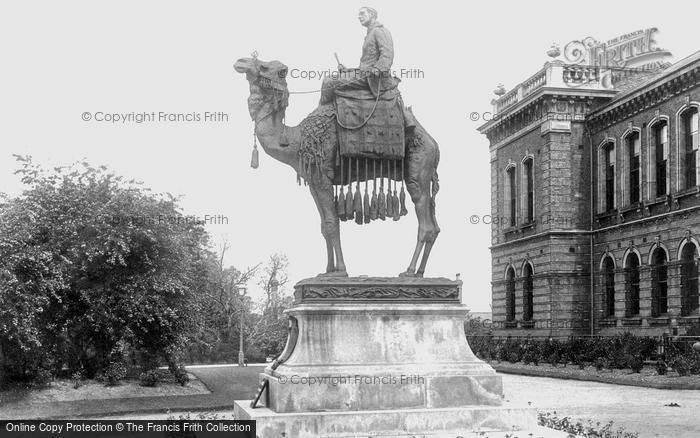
x=595, y=202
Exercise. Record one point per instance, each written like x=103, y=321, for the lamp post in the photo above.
x=241, y=355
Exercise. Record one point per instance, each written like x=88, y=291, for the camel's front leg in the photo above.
x=330, y=228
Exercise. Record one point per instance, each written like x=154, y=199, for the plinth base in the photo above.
x=434, y=423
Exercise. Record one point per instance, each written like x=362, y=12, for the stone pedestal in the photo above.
x=380, y=356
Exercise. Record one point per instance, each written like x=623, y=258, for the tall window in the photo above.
x=512, y=198
x=527, y=293
x=632, y=286
x=510, y=295
x=661, y=152
x=529, y=191
x=609, y=282
x=609, y=175
x=633, y=149
x=689, y=280
x=659, y=283
x=691, y=142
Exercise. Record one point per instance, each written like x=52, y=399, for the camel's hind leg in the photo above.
x=430, y=237
x=427, y=229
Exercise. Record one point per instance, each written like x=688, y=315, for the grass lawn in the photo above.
x=64, y=390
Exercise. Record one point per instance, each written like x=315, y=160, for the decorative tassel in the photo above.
x=349, y=213
x=340, y=205
x=254, y=158
x=389, y=195
x=382, y=198
x=402, y=196
x=357, y=201
x=397, y=208
x=365, y=199
x=373, y=207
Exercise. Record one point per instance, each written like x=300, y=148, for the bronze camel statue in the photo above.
x=267, y=104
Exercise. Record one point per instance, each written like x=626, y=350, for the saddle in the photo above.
x=370, y=126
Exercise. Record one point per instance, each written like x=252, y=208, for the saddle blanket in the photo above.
x=382, y=137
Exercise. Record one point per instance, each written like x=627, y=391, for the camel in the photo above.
x=267, y=104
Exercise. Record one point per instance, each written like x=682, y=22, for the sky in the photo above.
x=63, y=59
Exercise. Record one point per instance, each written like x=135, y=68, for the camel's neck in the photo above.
x=269, y=132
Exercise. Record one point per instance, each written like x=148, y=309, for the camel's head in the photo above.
x=268, y=84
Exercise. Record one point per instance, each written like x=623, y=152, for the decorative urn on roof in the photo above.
x=500, y=90
x=554, y=51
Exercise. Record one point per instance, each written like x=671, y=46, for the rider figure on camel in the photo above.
x=374, y=72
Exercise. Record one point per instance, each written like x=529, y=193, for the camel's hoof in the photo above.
x=407, y=274
x=333, y=274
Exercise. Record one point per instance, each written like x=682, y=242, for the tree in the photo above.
x=270, y=331
x=93, y=267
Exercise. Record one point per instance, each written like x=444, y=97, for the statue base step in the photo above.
x=404, y=423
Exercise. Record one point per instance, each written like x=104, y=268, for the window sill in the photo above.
x=510, y=324
x=637, y=206
x=527, y=324
x=659, y=320
x=607, y=214
x=659, y=200
x=689, y=320
x=688, y=192
x=608, y=322
x=526, y=226
x=635, y=320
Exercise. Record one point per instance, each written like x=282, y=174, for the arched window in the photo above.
x=634, y=149
x=510, y=294
x=659, y=283
x=689, y=280
x=529, y=191
x=527, y=293
x=512, y=193
x=609, y=284
x=690, y=142
x=660, y=151
x=632, y=285
x=608, y=177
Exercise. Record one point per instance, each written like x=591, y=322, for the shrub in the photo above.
x=179, y=372
x=77, y=379
x=661, y=367
x=599, y=364
x=531, y=357
x=115, y=372
x=148, y=378
x=513, y=357
x=554, y=359
x=680, y=364
x=580, y=361
x=636, y=363
x=42, y=378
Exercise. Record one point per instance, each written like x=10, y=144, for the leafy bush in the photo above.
x=579, y=429
x=599, y=364
x=114, y=373
x=661, y=367
x=680, y=364
x=636, y=363
x=77, y=379
x=148, y=378
x=42, y=378
x=554, y=359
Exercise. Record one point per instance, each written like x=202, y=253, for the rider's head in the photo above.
x=367, y=16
